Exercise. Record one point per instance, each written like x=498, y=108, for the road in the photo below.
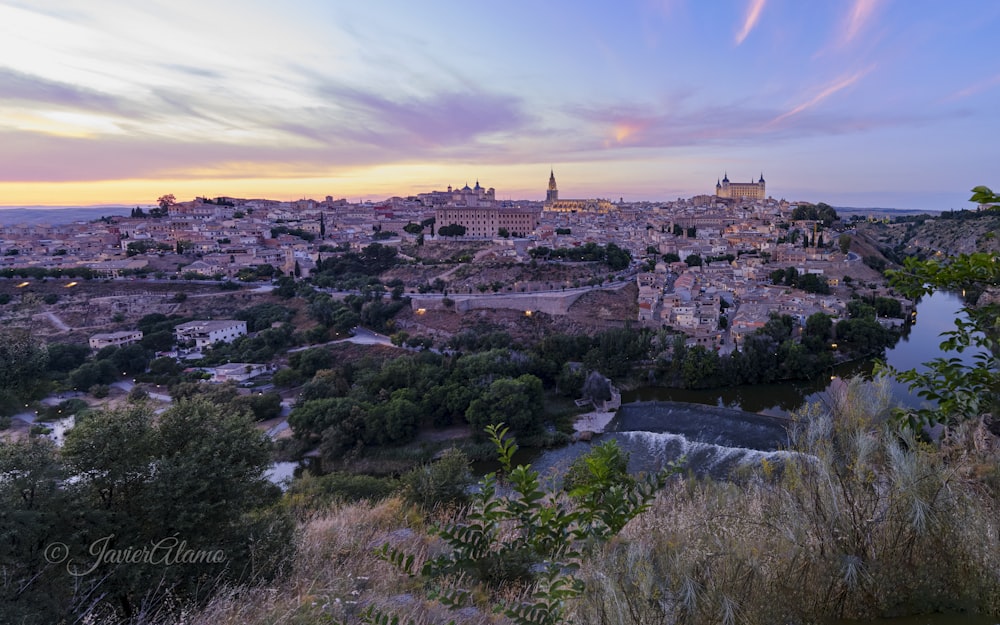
x=362, y=336
x=128, y=385
x=56, y=321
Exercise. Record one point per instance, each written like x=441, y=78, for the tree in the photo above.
x=166, y=201
x=191, y=481
x=23, y=361
x=693, y=260
x=517, y=401
x=844, y=241
x=445, y=481
x=451, y=230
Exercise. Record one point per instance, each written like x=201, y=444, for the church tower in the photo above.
x=553, y=193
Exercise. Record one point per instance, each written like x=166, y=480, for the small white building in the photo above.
x=127, y=337
x=207, y=333
x=237, y=372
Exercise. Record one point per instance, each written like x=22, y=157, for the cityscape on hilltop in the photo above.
x=702, y=265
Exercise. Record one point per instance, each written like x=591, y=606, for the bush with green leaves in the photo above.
x=195, y=473
x=444, y=481
x=518, y=536
x=310, y=493
x=962, y=389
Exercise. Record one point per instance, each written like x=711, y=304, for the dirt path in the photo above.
x=56, y=321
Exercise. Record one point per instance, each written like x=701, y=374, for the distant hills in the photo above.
x=68, y=214
x=59, y=214
x=890, y=212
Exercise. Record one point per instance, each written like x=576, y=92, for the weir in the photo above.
x=714, y=441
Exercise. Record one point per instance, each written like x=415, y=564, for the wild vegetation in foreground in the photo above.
x=859, y=520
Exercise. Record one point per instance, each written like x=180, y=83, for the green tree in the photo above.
x=444, y=481
x=65, y=357
x=451, y=230
x=23, y=361
x=517, y=401
x=192, y=480
x=844, y=241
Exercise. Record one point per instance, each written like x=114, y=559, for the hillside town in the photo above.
x=704, y=266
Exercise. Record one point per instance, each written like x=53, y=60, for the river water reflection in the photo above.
x=936, y=313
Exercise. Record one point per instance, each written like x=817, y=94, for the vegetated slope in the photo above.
x=957, y=236
x=962, y=233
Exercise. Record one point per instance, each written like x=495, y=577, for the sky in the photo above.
x=868, y=103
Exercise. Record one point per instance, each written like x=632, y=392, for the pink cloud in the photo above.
x=861, y=13
x=975, y=88
x=752, y=16
x=838, y=85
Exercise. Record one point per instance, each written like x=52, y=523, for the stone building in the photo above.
x=737, y=190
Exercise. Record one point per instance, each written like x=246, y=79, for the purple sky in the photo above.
x=851, y=102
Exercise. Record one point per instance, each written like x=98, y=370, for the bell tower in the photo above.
x=553, y=193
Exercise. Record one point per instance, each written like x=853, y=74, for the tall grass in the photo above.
x=863, y=521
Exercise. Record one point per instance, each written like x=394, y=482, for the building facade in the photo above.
x=738, y=190
x=467, y=196
x=118, y=339
x=487, y=222
x=207, y=333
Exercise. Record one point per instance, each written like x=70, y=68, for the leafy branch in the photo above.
x=518, y=534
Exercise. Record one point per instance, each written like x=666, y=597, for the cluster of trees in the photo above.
x=305, y=235
x=451, y=230
x=351, y=407
x=264, y=271
x=23, y=364
x=353, y=270
x=370, y=308
x=354, y=406
x=778, y=351
x=144, y=246
x=821, y=212
x=808, y=282
x=187, y=485
x=264, y=316
x=413, y=228
x=40, y=273
x=615, y=257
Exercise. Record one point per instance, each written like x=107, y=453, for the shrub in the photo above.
x=311, y=493
x=445, y=481
x=528, y=539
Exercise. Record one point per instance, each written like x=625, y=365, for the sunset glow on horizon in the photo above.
x=854, y=102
